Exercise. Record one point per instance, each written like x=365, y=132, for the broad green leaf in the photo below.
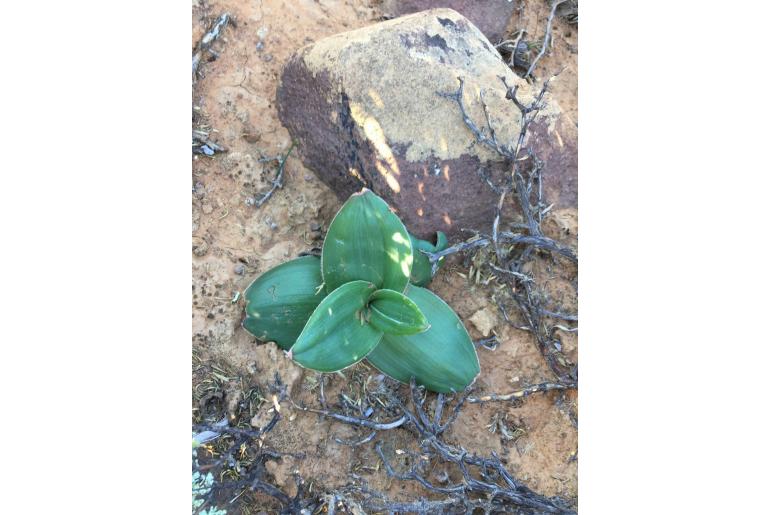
x=280, y=301
x=394, y=313
x=366, y=242
x=421, y=267
x=442, y=358
x=336, y=335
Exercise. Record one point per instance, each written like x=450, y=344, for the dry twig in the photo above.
x=205, y=43
x=277, y=182
x=523, y=392
x=525, y=180
x=485, y=484
x=518, y=50
x=203, y=145
x=546, y=39
x=240, y=466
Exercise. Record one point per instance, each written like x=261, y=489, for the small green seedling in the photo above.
x=364, y=299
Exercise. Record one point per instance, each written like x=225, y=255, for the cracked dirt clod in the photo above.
x=484, y=320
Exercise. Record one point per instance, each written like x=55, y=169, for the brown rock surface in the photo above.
x=490, y=16
x=365, y=108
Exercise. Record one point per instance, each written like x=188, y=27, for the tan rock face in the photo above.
x=366, y=109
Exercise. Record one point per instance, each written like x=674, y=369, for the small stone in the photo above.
x=240, y=269
x=282, y=472
x=270, y=355
x=199, y=190
x=562, y=222
x=268, y=220
x=484, y=320
x=315, y=226
x=207, y=208
x=262, y=418
x=233, y=398
x=200, y=249
x=251, y=137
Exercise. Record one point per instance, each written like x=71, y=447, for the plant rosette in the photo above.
x=363, y=299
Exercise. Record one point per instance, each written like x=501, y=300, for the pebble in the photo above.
x=200, y=249
x=484, y=320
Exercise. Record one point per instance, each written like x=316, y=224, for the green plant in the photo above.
x=363, y=299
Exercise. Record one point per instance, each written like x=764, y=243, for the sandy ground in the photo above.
x=233, y=242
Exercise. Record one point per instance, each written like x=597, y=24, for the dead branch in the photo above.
x=523, y=392
x=530, y=306
x=525, y=180
x=457, y=96
x=376, y=502
x=546, y=39
x=247, y=433
x=495, y=483
x=562, y=316
x=356, y=443
x=486, y=482
x=510, y=152
x=277, y=182
x=511, y=238
x=240, y=466
x=203, y=145
x=513, y=273
x=380, y=426
x=488, y=343
x=205, y=43
x=419, y=506
x=452, y=505
x=518, y=50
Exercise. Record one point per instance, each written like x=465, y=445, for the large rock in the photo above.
x=490, y=16
x=366, y=110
